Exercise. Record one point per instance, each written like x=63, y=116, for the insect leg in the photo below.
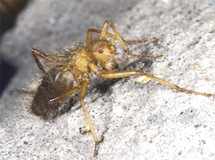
x=122, y=42
x=89, y=35
x=82, y=94
x=65, y=94
x=90, y=31
x=40, y=54
x=145, y=40
x=25, y=91
x=159, y=80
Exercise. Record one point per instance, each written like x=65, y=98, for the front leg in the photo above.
x=110, y=35
x=124, y=74
x=103, y=33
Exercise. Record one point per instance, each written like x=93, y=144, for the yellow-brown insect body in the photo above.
x=69, y=73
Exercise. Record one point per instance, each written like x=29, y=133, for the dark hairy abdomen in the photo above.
x=48, y=90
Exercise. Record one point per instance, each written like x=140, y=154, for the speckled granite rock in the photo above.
x=137, y=121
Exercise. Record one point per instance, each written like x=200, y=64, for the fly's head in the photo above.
x=104, y=51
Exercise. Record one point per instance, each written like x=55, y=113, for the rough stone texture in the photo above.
x=137, y=121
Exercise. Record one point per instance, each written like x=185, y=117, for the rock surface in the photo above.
x=137, y=121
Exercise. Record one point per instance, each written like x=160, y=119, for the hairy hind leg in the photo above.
x=25, y=91
x=42, y=55
x=36, y=53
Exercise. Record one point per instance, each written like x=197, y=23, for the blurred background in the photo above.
x=9, y=10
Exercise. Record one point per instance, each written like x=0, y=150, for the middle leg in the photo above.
x=66, y=94
x=82, y=94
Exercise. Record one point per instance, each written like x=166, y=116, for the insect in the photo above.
x=67, y=74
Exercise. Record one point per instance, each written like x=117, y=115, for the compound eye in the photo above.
x=100, y=50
